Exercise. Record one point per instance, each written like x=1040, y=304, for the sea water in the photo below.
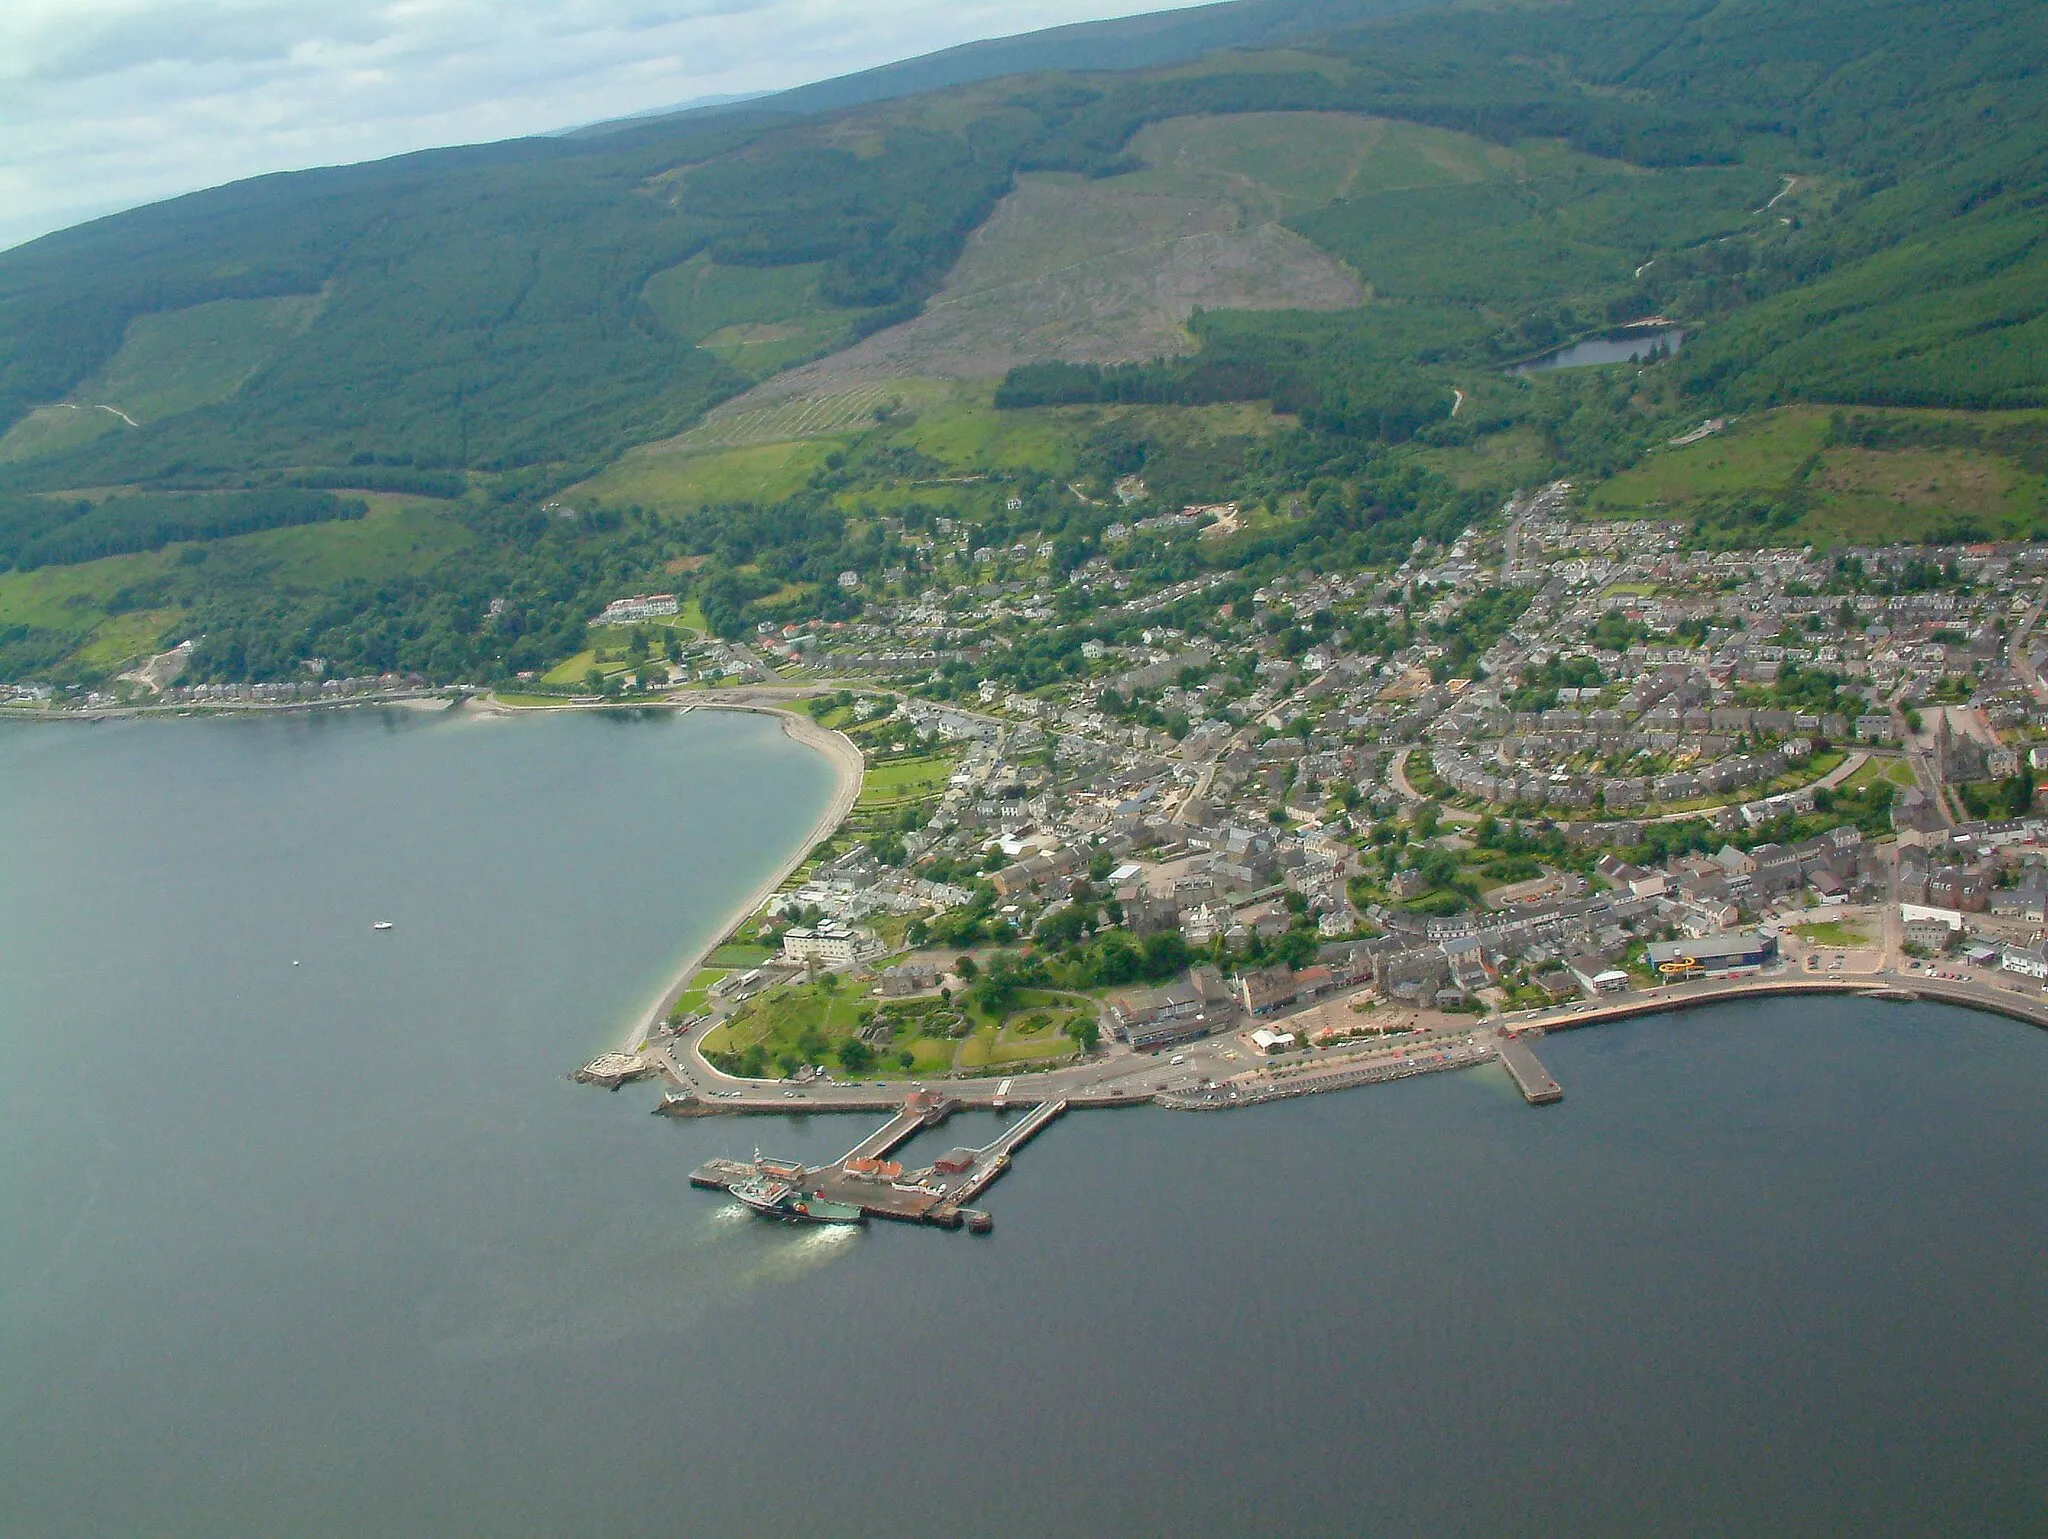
x=336, y=1249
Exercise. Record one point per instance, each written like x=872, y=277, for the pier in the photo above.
x=1426, y=1053
x=1527, y=1071
x=866, y=1179
x=920, y=1111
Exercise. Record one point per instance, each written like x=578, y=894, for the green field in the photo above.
x=892, y=782
x=175, y=360
x=811, y=1022
x=1896, y=772
x=1777, y=477
x=92, y=602
x=679, y=482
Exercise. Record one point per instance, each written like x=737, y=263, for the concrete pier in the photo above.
x=917, y=1114
x=1518, y=1057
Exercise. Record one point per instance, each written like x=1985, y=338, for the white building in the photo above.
x=830, y=945
x=642, y=606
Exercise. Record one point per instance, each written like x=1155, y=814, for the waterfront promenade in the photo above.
x=1216, y=1067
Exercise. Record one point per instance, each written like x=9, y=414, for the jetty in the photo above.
x=865, y=1178
x=1518, y=1057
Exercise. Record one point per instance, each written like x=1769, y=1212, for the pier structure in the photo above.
x=1518, y=1057
x=866, y=1179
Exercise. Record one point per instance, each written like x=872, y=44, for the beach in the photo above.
x=847, y=766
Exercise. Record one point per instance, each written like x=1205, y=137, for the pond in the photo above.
x=1624, y=347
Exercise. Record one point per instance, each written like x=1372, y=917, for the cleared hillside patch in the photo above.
x=178, y=359
x=1091, y=271
x=756, y=319
x=1110, y=270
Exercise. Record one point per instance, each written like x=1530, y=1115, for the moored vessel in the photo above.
x=780, y=1200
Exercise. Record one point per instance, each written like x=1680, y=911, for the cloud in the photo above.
x=105, y=104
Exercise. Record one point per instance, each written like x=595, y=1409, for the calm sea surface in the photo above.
x=334, y=1249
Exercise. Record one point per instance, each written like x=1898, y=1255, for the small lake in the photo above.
x=1628, y=347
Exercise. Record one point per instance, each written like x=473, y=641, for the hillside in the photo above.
x=1014, y=261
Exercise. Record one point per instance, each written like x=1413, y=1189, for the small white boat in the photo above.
x=382, y=924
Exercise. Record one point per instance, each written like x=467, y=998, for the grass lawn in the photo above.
x=977, y=1050
x=890, y=782
x=1831, y=932
x=928, y=1056
x=698, y=993
x=735, y=955
x=1895, y=771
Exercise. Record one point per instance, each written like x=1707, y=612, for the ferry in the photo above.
x=779, y=1200
x=382, y=924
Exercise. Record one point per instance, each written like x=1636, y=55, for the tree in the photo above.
x=1116, y=959
x=1086, y=1031
x=1297, y=948
x=1163, y=955
x=1060, y=930
x=965, y=969
x=855, y=1056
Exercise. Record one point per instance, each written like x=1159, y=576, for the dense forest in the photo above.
x=485, y=305
x=50, y=531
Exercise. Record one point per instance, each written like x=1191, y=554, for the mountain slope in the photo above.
x=1840, y=200
x=485, y=307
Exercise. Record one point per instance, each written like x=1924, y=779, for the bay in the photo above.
x=336, y=1249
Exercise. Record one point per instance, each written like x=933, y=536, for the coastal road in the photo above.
x=1125, y=1077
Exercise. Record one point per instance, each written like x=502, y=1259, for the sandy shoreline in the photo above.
x=847, y=766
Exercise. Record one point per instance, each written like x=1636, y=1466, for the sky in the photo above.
x=106, y=104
